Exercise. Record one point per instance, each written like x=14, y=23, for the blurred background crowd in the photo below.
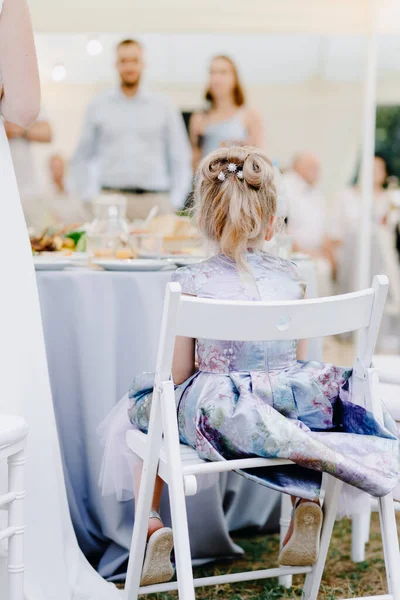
x=139, y=142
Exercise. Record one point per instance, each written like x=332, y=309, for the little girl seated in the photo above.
x=254, y=399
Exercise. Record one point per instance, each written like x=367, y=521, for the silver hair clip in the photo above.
x=232, y=168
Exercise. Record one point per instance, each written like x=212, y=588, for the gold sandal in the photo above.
x=302, y=548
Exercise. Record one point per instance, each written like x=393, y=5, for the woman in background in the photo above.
x=349, y=208
x=227, y=121
x=350, y=199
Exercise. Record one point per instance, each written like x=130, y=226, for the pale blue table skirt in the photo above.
x=100, y=330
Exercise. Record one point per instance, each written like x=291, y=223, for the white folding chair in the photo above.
x=388, y=367
x=13, y=431
x=179, y=465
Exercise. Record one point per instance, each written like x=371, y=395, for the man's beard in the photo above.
x=130, y=85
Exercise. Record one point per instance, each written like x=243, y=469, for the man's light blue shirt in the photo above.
x=136, y=142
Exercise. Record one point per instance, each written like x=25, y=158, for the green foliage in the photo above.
x=388, y=136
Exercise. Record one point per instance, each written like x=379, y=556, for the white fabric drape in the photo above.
x=55, y=567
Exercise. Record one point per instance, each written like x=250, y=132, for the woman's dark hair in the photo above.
x=381, y=156
x=237, y=92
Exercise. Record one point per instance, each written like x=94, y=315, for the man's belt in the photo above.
x=138, y=191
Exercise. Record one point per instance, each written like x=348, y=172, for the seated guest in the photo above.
x=61, y=207
x=56, y=206
x=350, y=207
x=138, y=140
x=350, y=199
x=22, y=143
x=228, y=120
x=57, y=170
x=307, y=220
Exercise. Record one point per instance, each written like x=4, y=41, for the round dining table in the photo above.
x=101, y=329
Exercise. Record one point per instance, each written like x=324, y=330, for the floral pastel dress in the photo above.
x=256, y=399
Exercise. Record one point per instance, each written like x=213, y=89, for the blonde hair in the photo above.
x=234, y=210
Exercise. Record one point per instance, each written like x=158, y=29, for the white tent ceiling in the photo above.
x=262, y=60
x=231, y=16
x=240, y=28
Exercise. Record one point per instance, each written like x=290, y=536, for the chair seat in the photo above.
x=13, y=429
x=192, y=464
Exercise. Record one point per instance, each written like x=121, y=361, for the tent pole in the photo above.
x=367, y=166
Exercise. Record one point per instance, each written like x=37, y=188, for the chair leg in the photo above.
x=367, y=532
x=284, y=522
x=360, y=534
x=313, y=579
x=390, y=544
x=143, y=505
x=177, y=496
x=16, y=485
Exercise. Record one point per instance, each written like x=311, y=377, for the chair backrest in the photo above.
x=272, y=321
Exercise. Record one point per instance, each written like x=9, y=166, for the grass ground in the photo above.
x=342, y=578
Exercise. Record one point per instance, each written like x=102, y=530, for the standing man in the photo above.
x=138, y=140
x=21, y=145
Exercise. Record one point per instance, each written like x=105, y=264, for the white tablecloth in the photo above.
x=100, y=330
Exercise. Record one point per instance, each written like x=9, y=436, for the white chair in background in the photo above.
x=13, y=432
x=390, y=266
x=179, y=465
x=388, y=367
x=389, y=372
x=388, y=263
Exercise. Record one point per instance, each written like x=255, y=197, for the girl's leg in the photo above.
x=157, y=567
x=154, y=524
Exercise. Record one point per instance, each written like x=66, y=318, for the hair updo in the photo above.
x=235, y=198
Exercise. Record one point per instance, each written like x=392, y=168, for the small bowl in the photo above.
x=101, y=245
x=146, y=245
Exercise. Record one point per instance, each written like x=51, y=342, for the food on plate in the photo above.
x=126, y=253
x=46, y=243
x=172, y=225
x=59, y=240
x=103, y=253
x=78, y=238
x=69, y=243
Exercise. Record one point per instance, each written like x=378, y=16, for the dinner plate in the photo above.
x=79, y=258
x=184, y=262
x=43, y=263
x=176, y=256
x=135, y=264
